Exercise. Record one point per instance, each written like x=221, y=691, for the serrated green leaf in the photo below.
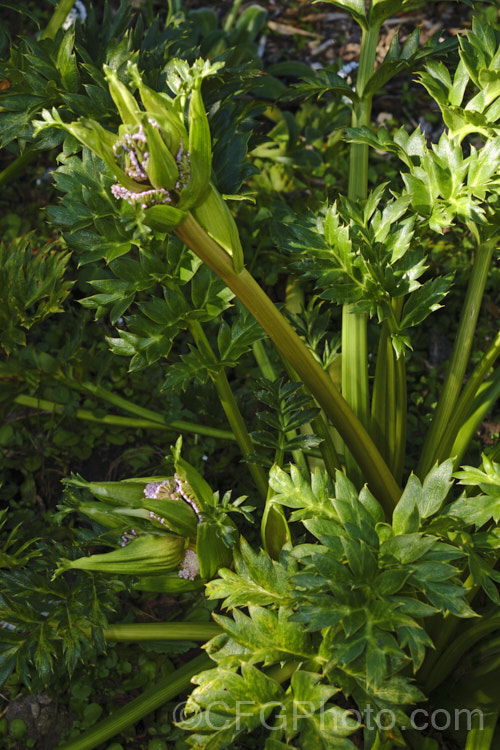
x=406, y=517
x=268, y=636
x=234, y=341
x=406, y=548
x=324, y=81
x=475, y=511
x=294, y=491
x=435, y=488
x=426, y=299
x=225, y=704
x=257, y=579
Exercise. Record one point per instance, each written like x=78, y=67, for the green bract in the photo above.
x=141, y=556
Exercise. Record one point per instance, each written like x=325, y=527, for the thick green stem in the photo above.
x=329, y=454
x=399, y=447
x=230, y=407
x=286, y=340
x=354, y=325
x=477, y=397
x=162, y=631
x=57, y=19
x=358, y=154
x=355, y=374
x=157, y=424
x=449, y=395
x=165, y=690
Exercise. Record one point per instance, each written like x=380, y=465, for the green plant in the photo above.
x=364, y=589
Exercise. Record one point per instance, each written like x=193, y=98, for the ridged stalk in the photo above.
x=381, y=391
x=465, y=401
x=354, y=325
x=450, y=392
x=290, y=345
x=162, y=631
x=400, y=427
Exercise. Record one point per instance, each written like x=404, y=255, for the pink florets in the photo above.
x=151, y=489
x=181, y=487
x=146, y=198
x=132, y=156
x=190, y=566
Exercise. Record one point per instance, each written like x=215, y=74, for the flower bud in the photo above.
x=174, y=514
x=148, y=554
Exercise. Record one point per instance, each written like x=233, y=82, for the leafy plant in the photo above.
x=366, y=595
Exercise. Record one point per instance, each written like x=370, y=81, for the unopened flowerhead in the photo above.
x=143, y=555
x=172, y=489
x=161, y=157
x=169, y=158
x=157, y=176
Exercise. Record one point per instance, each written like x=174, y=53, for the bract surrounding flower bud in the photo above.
x=200, y=153
x=216, y=219
x=164, y=218
x=211, y=551
x=125, y=102
x=148, y=554
x=162, y=170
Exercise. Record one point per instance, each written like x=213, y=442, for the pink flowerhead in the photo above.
x=189, y=567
